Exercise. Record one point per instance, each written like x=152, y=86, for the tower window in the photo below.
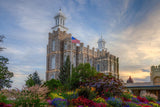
x=53, y=45
x=53, y=62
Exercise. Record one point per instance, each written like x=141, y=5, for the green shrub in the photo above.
x=52, y=84
x=3, y=99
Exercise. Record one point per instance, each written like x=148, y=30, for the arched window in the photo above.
x=53, y=62
x=98, y=67
x=53, y=45
x=63, y=22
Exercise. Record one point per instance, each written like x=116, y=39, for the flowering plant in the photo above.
x=56, y=95
x=58, y=102
x=115, y=102
x=99, y=100
x=142, y=99
x=82, y=101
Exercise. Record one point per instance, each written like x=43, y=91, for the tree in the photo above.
x=5, y=75
x=81, y=73
x=52, y=84
x=64, y=74
x=33, y=79
x=1, y=40
x=29, y=81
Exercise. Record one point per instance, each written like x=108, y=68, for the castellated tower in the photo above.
x=59, y=47
x=155, y=75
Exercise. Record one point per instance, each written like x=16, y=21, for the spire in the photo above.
x=60, y=21
x=101, y=43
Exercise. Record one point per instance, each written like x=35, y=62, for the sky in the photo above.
x=131, y=29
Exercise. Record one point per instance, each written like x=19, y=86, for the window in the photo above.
x=65, y=57
x=65, y=46
x=53, y=62
x=74, y=60
x=53, y=45
x=85, y=60
x=90, y=62
x=98, y=67
x=113, y=67
x=53, y=76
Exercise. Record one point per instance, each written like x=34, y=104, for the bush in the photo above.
x=127, y=96
x=4, y=102
x=104, y=82
x=32, y=96
x=87, y=92
x=52, y=84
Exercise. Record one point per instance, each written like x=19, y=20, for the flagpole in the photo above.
x=71, y=61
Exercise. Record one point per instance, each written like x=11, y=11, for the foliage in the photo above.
x=105, y=82
x=53, y=84
x=131, y=104
x=32, y=96
x=80, y=73
x=5, y=75
x=33, y=79
x=1, y=40
x=87, y=92
x=70, y=95
x=64, y=74
x=115, y=102
x=82, y=101
x=127, y=96
x=4, y=100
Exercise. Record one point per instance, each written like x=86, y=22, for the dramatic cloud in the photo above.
x=131, y=29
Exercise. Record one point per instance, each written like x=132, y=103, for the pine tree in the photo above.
x=36, y=78
x=5, y=75
x=33, y=79
x=64, y=74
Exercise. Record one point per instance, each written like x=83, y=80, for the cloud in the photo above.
x=145, y=70
x=130, y=28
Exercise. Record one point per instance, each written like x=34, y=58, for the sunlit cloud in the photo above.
x=131, y=29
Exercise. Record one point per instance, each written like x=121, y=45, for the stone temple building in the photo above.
x=59, y=47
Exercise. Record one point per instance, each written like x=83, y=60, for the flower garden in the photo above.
x=96, y=91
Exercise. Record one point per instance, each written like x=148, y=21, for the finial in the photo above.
x=101, y=35
x=60, y=9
